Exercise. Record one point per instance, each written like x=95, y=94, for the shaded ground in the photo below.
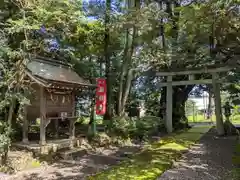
x=210, y=159
x=76, y=167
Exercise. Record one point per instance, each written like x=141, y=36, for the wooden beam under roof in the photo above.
x=37, y=80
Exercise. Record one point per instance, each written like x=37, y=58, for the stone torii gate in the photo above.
x=215, y=81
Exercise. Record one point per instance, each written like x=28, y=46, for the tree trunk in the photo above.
x=209, y=108
x=179, y=117
x=108, y=115
x=123, y=91
x=180, y=96
x=123, y=73
x=11, y=114
x=127, y=90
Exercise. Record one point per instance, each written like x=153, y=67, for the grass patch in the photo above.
x=200, y=118
x=155, y=158
x=85, y=120
x=235, y=119
x=236, y=159
x=35, y=164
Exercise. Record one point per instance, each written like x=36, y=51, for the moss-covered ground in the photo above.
x=155, y=158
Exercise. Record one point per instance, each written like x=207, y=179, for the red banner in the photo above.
x=101, y=98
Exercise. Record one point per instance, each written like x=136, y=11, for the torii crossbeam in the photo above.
x=214, y=71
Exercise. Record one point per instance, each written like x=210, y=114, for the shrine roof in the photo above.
x=47, y=71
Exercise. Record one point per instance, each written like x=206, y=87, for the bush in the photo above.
x=103, y=140
x=100, y=140
x=147, y=126
x=16, y=134
x=135, y=128
x=4, y=142
x=120, y=127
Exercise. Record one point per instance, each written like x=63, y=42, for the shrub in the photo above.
x=16, y=134
x=135, y=128
x=119, y=141
x=119, y=127
x=147, y=126
x=5, y=141
x=100, y=139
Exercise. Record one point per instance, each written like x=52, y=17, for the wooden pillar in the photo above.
x=169, y=106
x=42, y=116
x=25, y=125
x=72, y=128
x=72, y=132
x=217, y=101
x=72, y=122
x=73, y=104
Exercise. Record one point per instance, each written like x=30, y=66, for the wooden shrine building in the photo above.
x=54, y=85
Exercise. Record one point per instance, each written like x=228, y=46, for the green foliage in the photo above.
x=148, y=125
x=136, y=128
x=17, y=131
x=120, y=127
x=20, y=23
x=236, y=110
x=5, y=141
x=4, y=136
x=100, y=140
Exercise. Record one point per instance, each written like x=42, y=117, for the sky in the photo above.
x=201, y=102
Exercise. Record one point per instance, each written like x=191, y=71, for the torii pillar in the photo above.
x=218, y=107
x=169, y=107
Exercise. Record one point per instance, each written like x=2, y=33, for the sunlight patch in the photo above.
x=174, y=146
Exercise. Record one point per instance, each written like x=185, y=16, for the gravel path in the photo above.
x=53, y=172
x=211, y=159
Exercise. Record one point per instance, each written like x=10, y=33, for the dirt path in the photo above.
x=211, y=159
x=77, y=168
x=58, y=171
x=65, y=169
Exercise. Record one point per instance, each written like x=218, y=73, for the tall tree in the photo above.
x=109, y=112
x=126, y=67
